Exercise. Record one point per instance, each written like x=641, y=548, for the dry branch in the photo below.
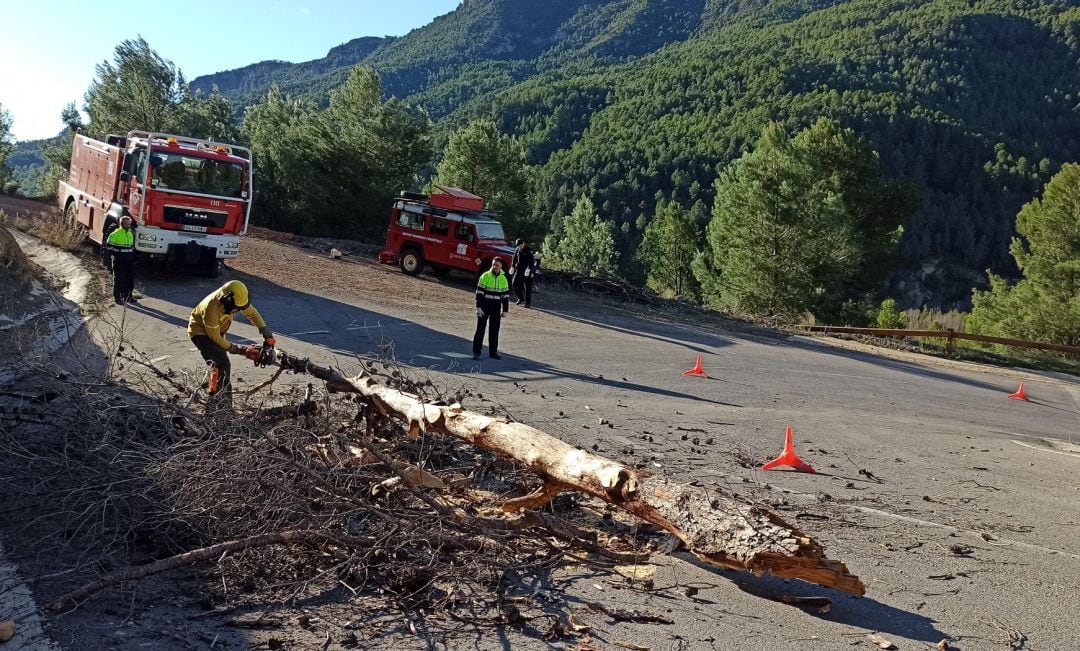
x=721, y=530
x=190, y=558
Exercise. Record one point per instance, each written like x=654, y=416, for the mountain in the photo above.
x=246, y=85
x=484, y=45
x=977, y=102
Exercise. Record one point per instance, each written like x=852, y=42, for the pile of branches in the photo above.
x=310, y=495
x=606, y=285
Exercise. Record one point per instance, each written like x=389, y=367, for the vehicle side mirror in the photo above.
x=125, y=177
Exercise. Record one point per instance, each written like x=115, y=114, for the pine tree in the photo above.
x=6, y=144
x=1045, y=304
x=137, y=90
x=778, y=232
x=585, y=243
x=668, y=250
x=483, y=161
x=803, y=224
x=335, y=171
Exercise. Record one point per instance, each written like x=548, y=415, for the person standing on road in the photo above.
x=121, y=248
x=492, y=304
x=209, y=322
x=522, y=270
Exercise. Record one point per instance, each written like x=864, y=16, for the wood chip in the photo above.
x=636, y=572
x=880, y=642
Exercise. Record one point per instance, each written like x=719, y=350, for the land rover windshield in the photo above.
x=490, y=231
x=219, y=178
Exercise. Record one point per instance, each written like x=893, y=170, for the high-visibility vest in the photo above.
x=492, y=291
x=121, y=241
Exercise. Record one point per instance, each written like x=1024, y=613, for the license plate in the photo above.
x=194, y=229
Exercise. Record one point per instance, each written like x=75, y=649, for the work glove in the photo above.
x=235, y=350
x=479, y=313
x=505, y=313
x=268, y=336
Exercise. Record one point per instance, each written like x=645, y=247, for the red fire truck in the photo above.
x=189, y=199
x=446, y=230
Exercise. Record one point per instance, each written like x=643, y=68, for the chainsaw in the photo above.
x=264, y=355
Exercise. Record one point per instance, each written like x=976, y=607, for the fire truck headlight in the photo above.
x=147, y=237
x=232, y=245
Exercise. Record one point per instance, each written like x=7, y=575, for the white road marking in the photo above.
x=998, y=542
x=1075, y=393
x=1068, y=454
x=310, y=332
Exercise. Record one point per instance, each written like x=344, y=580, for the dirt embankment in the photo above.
x=16, y=274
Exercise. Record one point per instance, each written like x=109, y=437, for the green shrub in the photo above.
x=889, y=316
x=11, y=187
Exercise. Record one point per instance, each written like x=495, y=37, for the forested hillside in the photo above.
x=631, y=101
x=635, y=103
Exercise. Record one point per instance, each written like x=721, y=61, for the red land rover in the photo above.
x=447, y=230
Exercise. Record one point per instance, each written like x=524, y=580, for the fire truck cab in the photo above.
x=446, y=230
x=189, y=199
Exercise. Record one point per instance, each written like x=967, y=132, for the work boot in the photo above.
x=219, y=404
x=495, y=356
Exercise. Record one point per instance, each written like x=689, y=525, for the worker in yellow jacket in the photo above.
x=209, y=322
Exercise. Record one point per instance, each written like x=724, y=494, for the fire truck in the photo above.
x=445, y=230
x=189, y=199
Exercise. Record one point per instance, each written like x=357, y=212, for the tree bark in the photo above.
x=721, y=530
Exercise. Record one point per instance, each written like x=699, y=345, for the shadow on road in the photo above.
x=661, y=332
x=909, y=368
x=348, y=330
x=860, y=612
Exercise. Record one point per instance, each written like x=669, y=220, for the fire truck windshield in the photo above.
x=490, y=231
x=195, y=174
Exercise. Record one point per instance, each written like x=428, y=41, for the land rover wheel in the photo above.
x=411, y=262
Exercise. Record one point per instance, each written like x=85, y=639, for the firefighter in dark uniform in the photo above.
x=522, y=271
x=121, y=248
x=209, y=322
x=492, y=304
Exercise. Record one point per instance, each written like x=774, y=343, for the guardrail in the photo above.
x=950, y=336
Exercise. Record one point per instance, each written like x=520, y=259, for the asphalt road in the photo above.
x=913, y=458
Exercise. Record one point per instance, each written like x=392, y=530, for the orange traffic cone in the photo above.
x=1019, y=395
x=697, y=371
x=788, y=457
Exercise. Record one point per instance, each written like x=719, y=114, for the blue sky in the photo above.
x=48, y=48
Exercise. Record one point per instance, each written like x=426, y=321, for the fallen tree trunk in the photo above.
x=721, y=530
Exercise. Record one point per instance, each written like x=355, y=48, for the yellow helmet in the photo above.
x=239, y=292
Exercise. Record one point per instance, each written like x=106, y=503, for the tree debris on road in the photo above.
x=721, y=530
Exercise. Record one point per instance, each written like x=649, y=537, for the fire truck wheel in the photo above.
x=71, y=214
x=411, y=262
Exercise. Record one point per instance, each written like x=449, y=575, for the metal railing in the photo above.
x=950, y=336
